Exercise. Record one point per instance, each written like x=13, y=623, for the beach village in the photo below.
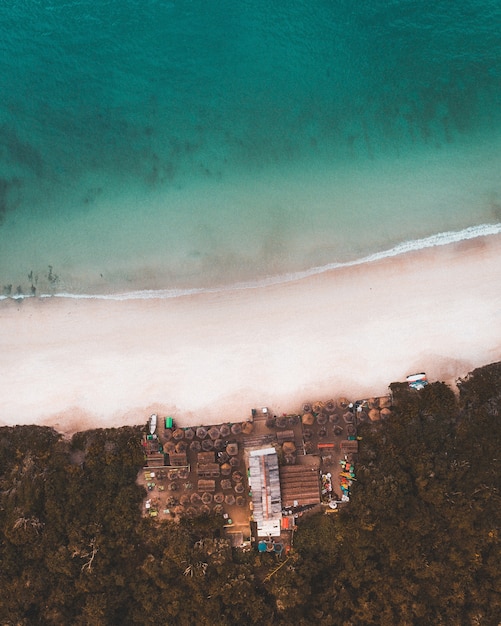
x=261, y=474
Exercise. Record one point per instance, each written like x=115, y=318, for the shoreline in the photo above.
x=211, y=357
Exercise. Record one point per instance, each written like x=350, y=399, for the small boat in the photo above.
x=153, y=423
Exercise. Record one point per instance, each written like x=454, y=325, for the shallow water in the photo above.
x=185, y=145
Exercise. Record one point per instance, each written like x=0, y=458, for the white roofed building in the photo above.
x=264, y=481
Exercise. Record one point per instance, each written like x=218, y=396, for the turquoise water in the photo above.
x=172, y=145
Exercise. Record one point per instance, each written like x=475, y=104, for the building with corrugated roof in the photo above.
x=264, y=481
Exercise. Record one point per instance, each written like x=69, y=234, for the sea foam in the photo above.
x=438, y=239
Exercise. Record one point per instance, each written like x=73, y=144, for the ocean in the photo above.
x=155, y=148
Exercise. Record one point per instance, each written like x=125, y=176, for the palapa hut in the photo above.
x=167, y=434
x=350, y=429
x=182, y=473
x=225, y=430
x=223, y=457
x=338, y=430
x=219, y=445
x=218, y=509
x=178, y=434
x=219, y=498
x=236, y=428
x=234, y=461
x=195, y=498
x=237, y=476
x=292, y=420
x=181, y=446
x=172, y=474
x=281, y=421
x=333, y=418
x=206, y=497
x=373, y=403
x=169, y=447
x=190, y=512
x=318, y=406
x=309, y=447
x=171, y=501
x=201, y=432
x=322, y=432
x=348, y=417
x=184, y=500
x=226, y=484
x=196, y=446
x=307, y=408
x=289, y=447
x=362, y=416
x=225, y=469
x=239, y=488
x=207, y=444
x=189, y=433
x=178, y=509
x=384, y=402
x=232, y=449
x=307, y=434
x=247, y=428
x=174, y=486
x=385, y=412
x=240, y=500
x=343, y=402
x=230, y=499
x=205, y=509
x=374, y=415
x=214, y=433
x=322, y=419
x=330, y=406
x=308, y=419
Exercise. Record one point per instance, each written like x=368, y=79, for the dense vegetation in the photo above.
x=419, y=542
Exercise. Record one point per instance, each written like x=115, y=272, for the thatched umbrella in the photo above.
x=171, y=501
x=205, y=510
x=239, y=488
x=333, y=418
x=362, y=416
x=290, y=459
x=307, y=434
x=201, y=432
x=226, y=484
x=189, y=433
x=214, y=433
x=230, y=499
x=318, y=406
x=281, y=421
x=350, y=429
x=384, y=402
x=225, y=469
x=348, y=417
x=234, y=461
x=292, y=420
x=247, y=428
x=169, y=447
x=309, y=447
x=343, y=402
x=207, y=445
x=190, y=512
x=307, y=408
x=236, y=428
x=330, y=406
x=237, y=476
x=184, y=500
x=218, y=509
x=182, y=473
x=181, y=446
x=178, y=434
x=219, y=445
x=270, y=422
x=240, y=501
x=219, y=498
x=174, y=486
x=322, y=419
x=385, y=412
x=167, y=434
x=289, y=447
x=338, y=430
x=195, y=498
x=308, y=419
x=196, y=446
x=232, y=449
x=223, y=457
x=206, y=497
x=178, y=510
x=322, y=432
x=173, y=474
x=373, y=403
x=374, y=415
x=225, y=430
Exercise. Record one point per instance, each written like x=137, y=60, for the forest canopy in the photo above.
x=419, y=542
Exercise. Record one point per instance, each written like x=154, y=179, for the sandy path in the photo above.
x=75, y=364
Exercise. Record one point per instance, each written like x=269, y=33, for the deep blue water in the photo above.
x=187, y=143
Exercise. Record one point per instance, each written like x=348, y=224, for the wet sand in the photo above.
x=212, y=357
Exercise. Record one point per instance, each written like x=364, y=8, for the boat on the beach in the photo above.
x=153, y=424
x=417, y=381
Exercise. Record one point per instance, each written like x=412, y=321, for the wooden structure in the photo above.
x=348, y=447
x=300, y=485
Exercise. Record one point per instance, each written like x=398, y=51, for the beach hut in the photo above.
x=189, y=433
x=207, y=444
x=318, y=406
x=196, y=446
x=236, y=428
x=338, y=430
x=195, y=498
x=206, y=497
x=374, y=415
x=225, y=469
x=181, y=446
x=240, y=501
x=201, y=432
x=322, y=432
x=219, y=498
x=169, y=447
x=225, y=430
x=343, y=402
x=178, y=434
x=350, y=429
x=232, y=449
x=230, y=499
x=289, y=447
x=167, y=434
x=234, y=461
x=281, y=422
x=218, y=509
x=307, y=434
x=307, y=408
x=330, y=406
x=219, y=445
x=239, y=488
x=322, y=419
x=333, y=418
x=214, y=433
x=223, y=457
x=205, y=510
x=247, y=428
x=184, y=500
x=226, y=484
x=308, y=419
x=190, y=512
x=237, y=476
x=384, y=402
x=385, y=412
x=348, y=417
x=182, y=473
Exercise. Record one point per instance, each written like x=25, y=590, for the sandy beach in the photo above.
x=207, y=358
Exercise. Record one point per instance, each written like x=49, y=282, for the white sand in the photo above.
x=77, y=364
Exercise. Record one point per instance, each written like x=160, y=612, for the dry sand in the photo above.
x=208, y=358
